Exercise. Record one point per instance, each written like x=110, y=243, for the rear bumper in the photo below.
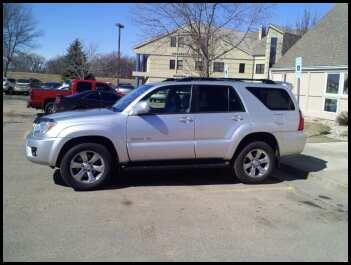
x=21, y=88
x=291, y=143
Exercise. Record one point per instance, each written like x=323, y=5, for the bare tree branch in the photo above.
x=211, y=29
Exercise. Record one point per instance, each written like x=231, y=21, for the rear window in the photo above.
x=83, y=86
x=273, y=98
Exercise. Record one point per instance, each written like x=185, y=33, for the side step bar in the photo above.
x=175, y=166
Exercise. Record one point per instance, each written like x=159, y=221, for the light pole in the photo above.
x=120, y=26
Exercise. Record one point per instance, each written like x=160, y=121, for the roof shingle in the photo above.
x=326, y=44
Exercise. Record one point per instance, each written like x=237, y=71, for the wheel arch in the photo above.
x=98, y=139
x=266, y=137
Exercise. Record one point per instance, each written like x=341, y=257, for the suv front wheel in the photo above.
x=254, y=163
x=86, y=166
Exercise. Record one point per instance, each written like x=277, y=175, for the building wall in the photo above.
x=160, y=53
x=313, y=91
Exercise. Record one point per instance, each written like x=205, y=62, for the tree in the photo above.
x=307, y=21
x=24, y=62
x=304, y=23
x=19, y=31
x=76, y=62
x=56, y=65
x=209, y=30
x=107, y=65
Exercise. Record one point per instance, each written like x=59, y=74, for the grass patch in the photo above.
x=58, y=78
x=313, y=129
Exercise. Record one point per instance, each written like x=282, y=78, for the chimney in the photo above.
x=261, y=32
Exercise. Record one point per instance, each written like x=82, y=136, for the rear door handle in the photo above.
x=186, y=119
x=237, y=118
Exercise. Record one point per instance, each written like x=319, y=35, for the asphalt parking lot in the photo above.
x=195, y=215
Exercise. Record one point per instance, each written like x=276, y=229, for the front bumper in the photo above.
x=41, y=150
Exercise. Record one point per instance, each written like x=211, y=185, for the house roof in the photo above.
x=326, y=44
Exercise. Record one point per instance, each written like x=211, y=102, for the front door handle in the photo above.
x=186, y=119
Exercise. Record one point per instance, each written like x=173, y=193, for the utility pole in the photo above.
x=120, y=26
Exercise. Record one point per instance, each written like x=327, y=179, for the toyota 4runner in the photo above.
x=190, y=122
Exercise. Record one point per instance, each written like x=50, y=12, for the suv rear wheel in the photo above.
x=254, y=163
x=86, y=166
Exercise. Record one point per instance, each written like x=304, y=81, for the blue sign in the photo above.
x=298, y=67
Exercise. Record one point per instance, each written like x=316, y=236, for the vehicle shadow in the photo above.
x=301, y=167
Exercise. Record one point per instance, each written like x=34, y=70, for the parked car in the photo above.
x=246, y=126
x=86, y=100
x=24, y=85
x=8, y=85
x=124, y=88
x=40, y=98
x=51, y=85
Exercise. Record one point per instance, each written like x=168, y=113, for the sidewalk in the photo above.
x=324, y=162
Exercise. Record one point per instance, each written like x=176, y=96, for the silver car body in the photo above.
x=22, y=86
x=176, y=136
x=8, y=83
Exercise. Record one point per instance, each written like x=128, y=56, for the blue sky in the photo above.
x=94, y=24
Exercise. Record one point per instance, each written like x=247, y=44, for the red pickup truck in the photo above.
x=41, y=98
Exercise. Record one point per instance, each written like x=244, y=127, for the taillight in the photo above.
x=301, y=122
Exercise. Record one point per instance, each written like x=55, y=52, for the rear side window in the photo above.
x=273, y=98
x=83, y=86
x=213, y=98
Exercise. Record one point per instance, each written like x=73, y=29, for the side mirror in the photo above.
x=141, y=108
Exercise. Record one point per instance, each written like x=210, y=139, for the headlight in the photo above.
x=39, y=129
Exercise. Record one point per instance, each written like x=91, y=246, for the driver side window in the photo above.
x=169, y=100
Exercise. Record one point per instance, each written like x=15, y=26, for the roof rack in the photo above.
x=187, y=79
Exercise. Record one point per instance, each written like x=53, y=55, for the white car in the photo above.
x=8, y=85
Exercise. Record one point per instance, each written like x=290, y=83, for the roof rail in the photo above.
x=188, y=79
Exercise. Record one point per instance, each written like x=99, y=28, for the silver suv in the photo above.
x=191, y=122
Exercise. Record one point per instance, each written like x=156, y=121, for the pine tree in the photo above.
x=76, y=62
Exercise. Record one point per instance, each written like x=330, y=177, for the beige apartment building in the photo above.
x=324, y=78
x=165, y=57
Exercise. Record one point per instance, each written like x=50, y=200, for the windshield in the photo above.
x=126, y=100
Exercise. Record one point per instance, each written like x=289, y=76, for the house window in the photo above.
x=259, y=68
x=333, y=83
x=218, y=67
x=171, y=64
x=242, y=68
x=180, y=64
x=336, y=86
x=174, y=41
x=273, y=51
x=330, y=104
x=198, y=66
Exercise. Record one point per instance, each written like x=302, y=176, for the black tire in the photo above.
x=49, y=107
x=71, y=153
x=239, y=161
x=10, y=91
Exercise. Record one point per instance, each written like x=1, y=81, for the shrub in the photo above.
x=343, y=118
x=316, y=129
